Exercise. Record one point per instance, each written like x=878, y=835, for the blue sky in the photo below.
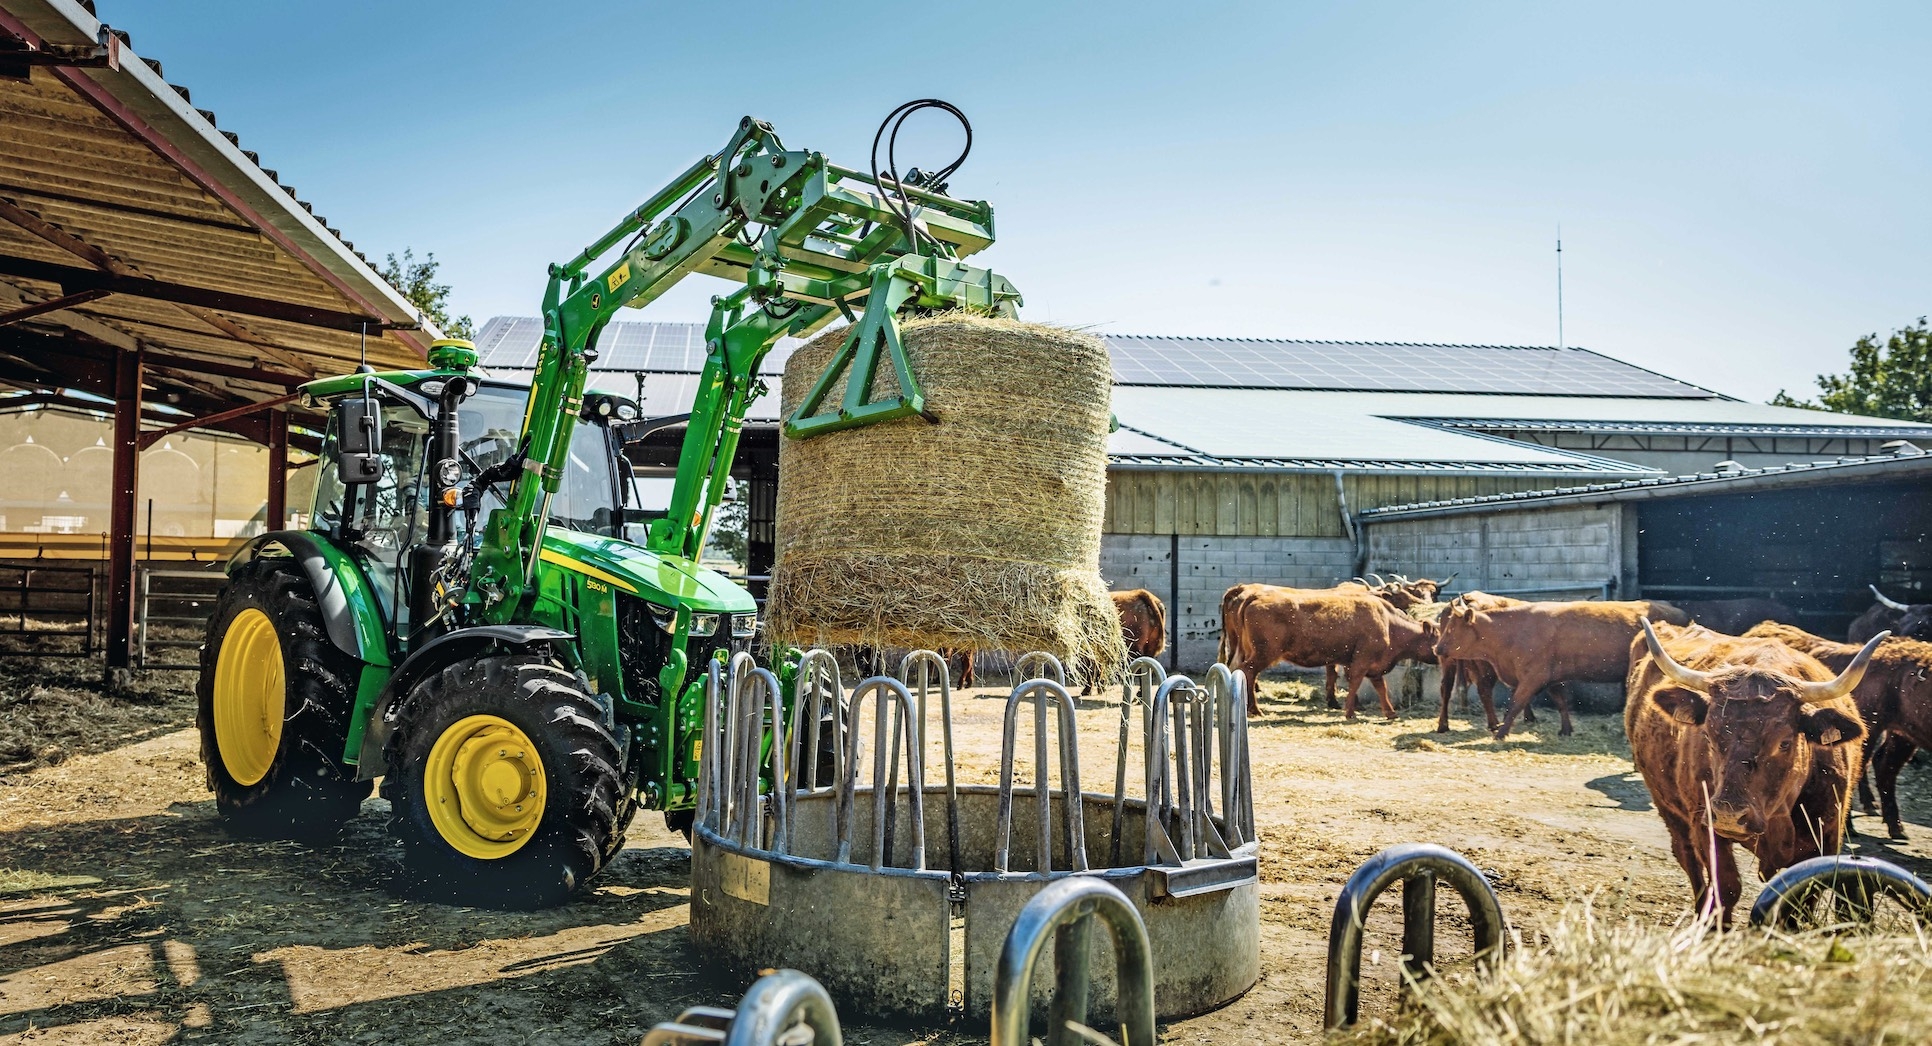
x=1742, y=188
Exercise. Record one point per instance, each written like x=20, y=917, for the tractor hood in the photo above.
x=628, y=567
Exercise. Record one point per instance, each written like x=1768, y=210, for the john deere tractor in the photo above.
x=477, y=614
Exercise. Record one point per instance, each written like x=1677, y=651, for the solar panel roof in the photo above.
x=1238, y=363
x=511, y=342
x=1259, y=363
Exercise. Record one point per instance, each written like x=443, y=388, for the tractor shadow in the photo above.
x=271, y=942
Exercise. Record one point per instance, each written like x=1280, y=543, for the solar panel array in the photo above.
x=1256, y=363
x=511, y=342
x=1241, y=363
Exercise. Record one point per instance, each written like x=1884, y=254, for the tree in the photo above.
x=416, y=280
x=1892, y=380
x=729, y=532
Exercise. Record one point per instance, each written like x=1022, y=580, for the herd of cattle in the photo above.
x=1747, y=729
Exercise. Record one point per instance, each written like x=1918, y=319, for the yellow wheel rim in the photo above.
x=485, y=787
x=250, y=696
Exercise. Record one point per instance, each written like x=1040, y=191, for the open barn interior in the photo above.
x=1814, y=549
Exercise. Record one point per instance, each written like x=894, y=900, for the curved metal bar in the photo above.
x=756, y=697
x=730, y=761
x=931, y=666
x=1181, y=704
x=1417, y=866
x=1159, y=846
x=1785, y=900
x=891, y=692
x=1049, y=667
x=708, y=758
x=776, y=1005
x=1041, y=690
x=817, y=682
x=1067, y=908
x=1229, y=702
x=780, y=1002
x=1138, y=684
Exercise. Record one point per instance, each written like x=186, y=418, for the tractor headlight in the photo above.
x=665, y=617
x=626, y=412
x=704, y=624
x=744, y=626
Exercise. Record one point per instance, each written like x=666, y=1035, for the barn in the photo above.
x=1306, y=462
x=1812, y=535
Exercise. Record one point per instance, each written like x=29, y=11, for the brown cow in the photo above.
x=1537, y=645
x=1741, y=741
x=1895, y=698
x=1401, y=594
x=1143, y=624
x=1457, y=673
x=1733, y=616
x=1234, y=604
x=1309, y=627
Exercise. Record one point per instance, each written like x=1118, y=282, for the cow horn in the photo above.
x=1831, y=690
x=1688, y=678
x=1378, y=579
x=1401, y=579
x=1891, y=604
x=1444, y=583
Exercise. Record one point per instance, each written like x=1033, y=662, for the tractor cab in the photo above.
x=374, y=488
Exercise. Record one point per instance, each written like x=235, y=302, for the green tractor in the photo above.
x=479, y=616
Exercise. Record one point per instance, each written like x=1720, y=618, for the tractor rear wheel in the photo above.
x=274, y=702
x=506, y=789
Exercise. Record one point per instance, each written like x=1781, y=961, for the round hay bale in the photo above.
x=981, y=532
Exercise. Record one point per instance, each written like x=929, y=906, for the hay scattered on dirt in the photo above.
x=979, y=533
x=19, y=881
x=1588, y=980
x=54, y=708
x=1428, y=611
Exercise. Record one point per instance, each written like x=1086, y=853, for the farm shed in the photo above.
x=152, y=272
x=1250, y=460
x=1812, y=535
x=1254, y=460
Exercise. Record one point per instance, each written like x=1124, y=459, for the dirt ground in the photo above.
x=126, y=915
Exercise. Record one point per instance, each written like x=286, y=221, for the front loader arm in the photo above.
x=829, y=242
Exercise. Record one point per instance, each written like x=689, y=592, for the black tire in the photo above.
x=308, y=792
x=584, y=809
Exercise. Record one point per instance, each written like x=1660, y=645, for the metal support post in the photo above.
x=276, y=513
x=120, y=527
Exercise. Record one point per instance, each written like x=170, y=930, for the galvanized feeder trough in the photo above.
x=900, y=908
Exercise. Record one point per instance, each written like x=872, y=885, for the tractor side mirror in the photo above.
x=359, y=442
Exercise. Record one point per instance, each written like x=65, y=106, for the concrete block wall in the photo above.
x=1208, y=566
x=1556, y=552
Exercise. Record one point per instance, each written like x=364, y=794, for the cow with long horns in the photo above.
x=1907, y=620
x=1895, y=698
x=1742, y=742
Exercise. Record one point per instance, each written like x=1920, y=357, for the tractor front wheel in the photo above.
x=506, y=790
x=274, y=702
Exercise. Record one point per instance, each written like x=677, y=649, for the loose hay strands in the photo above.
x=1624, y=984
x=981, y=532
x=1428, y=611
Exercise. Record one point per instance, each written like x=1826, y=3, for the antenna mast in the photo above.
x=1559, y=285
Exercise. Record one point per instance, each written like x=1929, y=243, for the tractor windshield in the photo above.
x=487, y=427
